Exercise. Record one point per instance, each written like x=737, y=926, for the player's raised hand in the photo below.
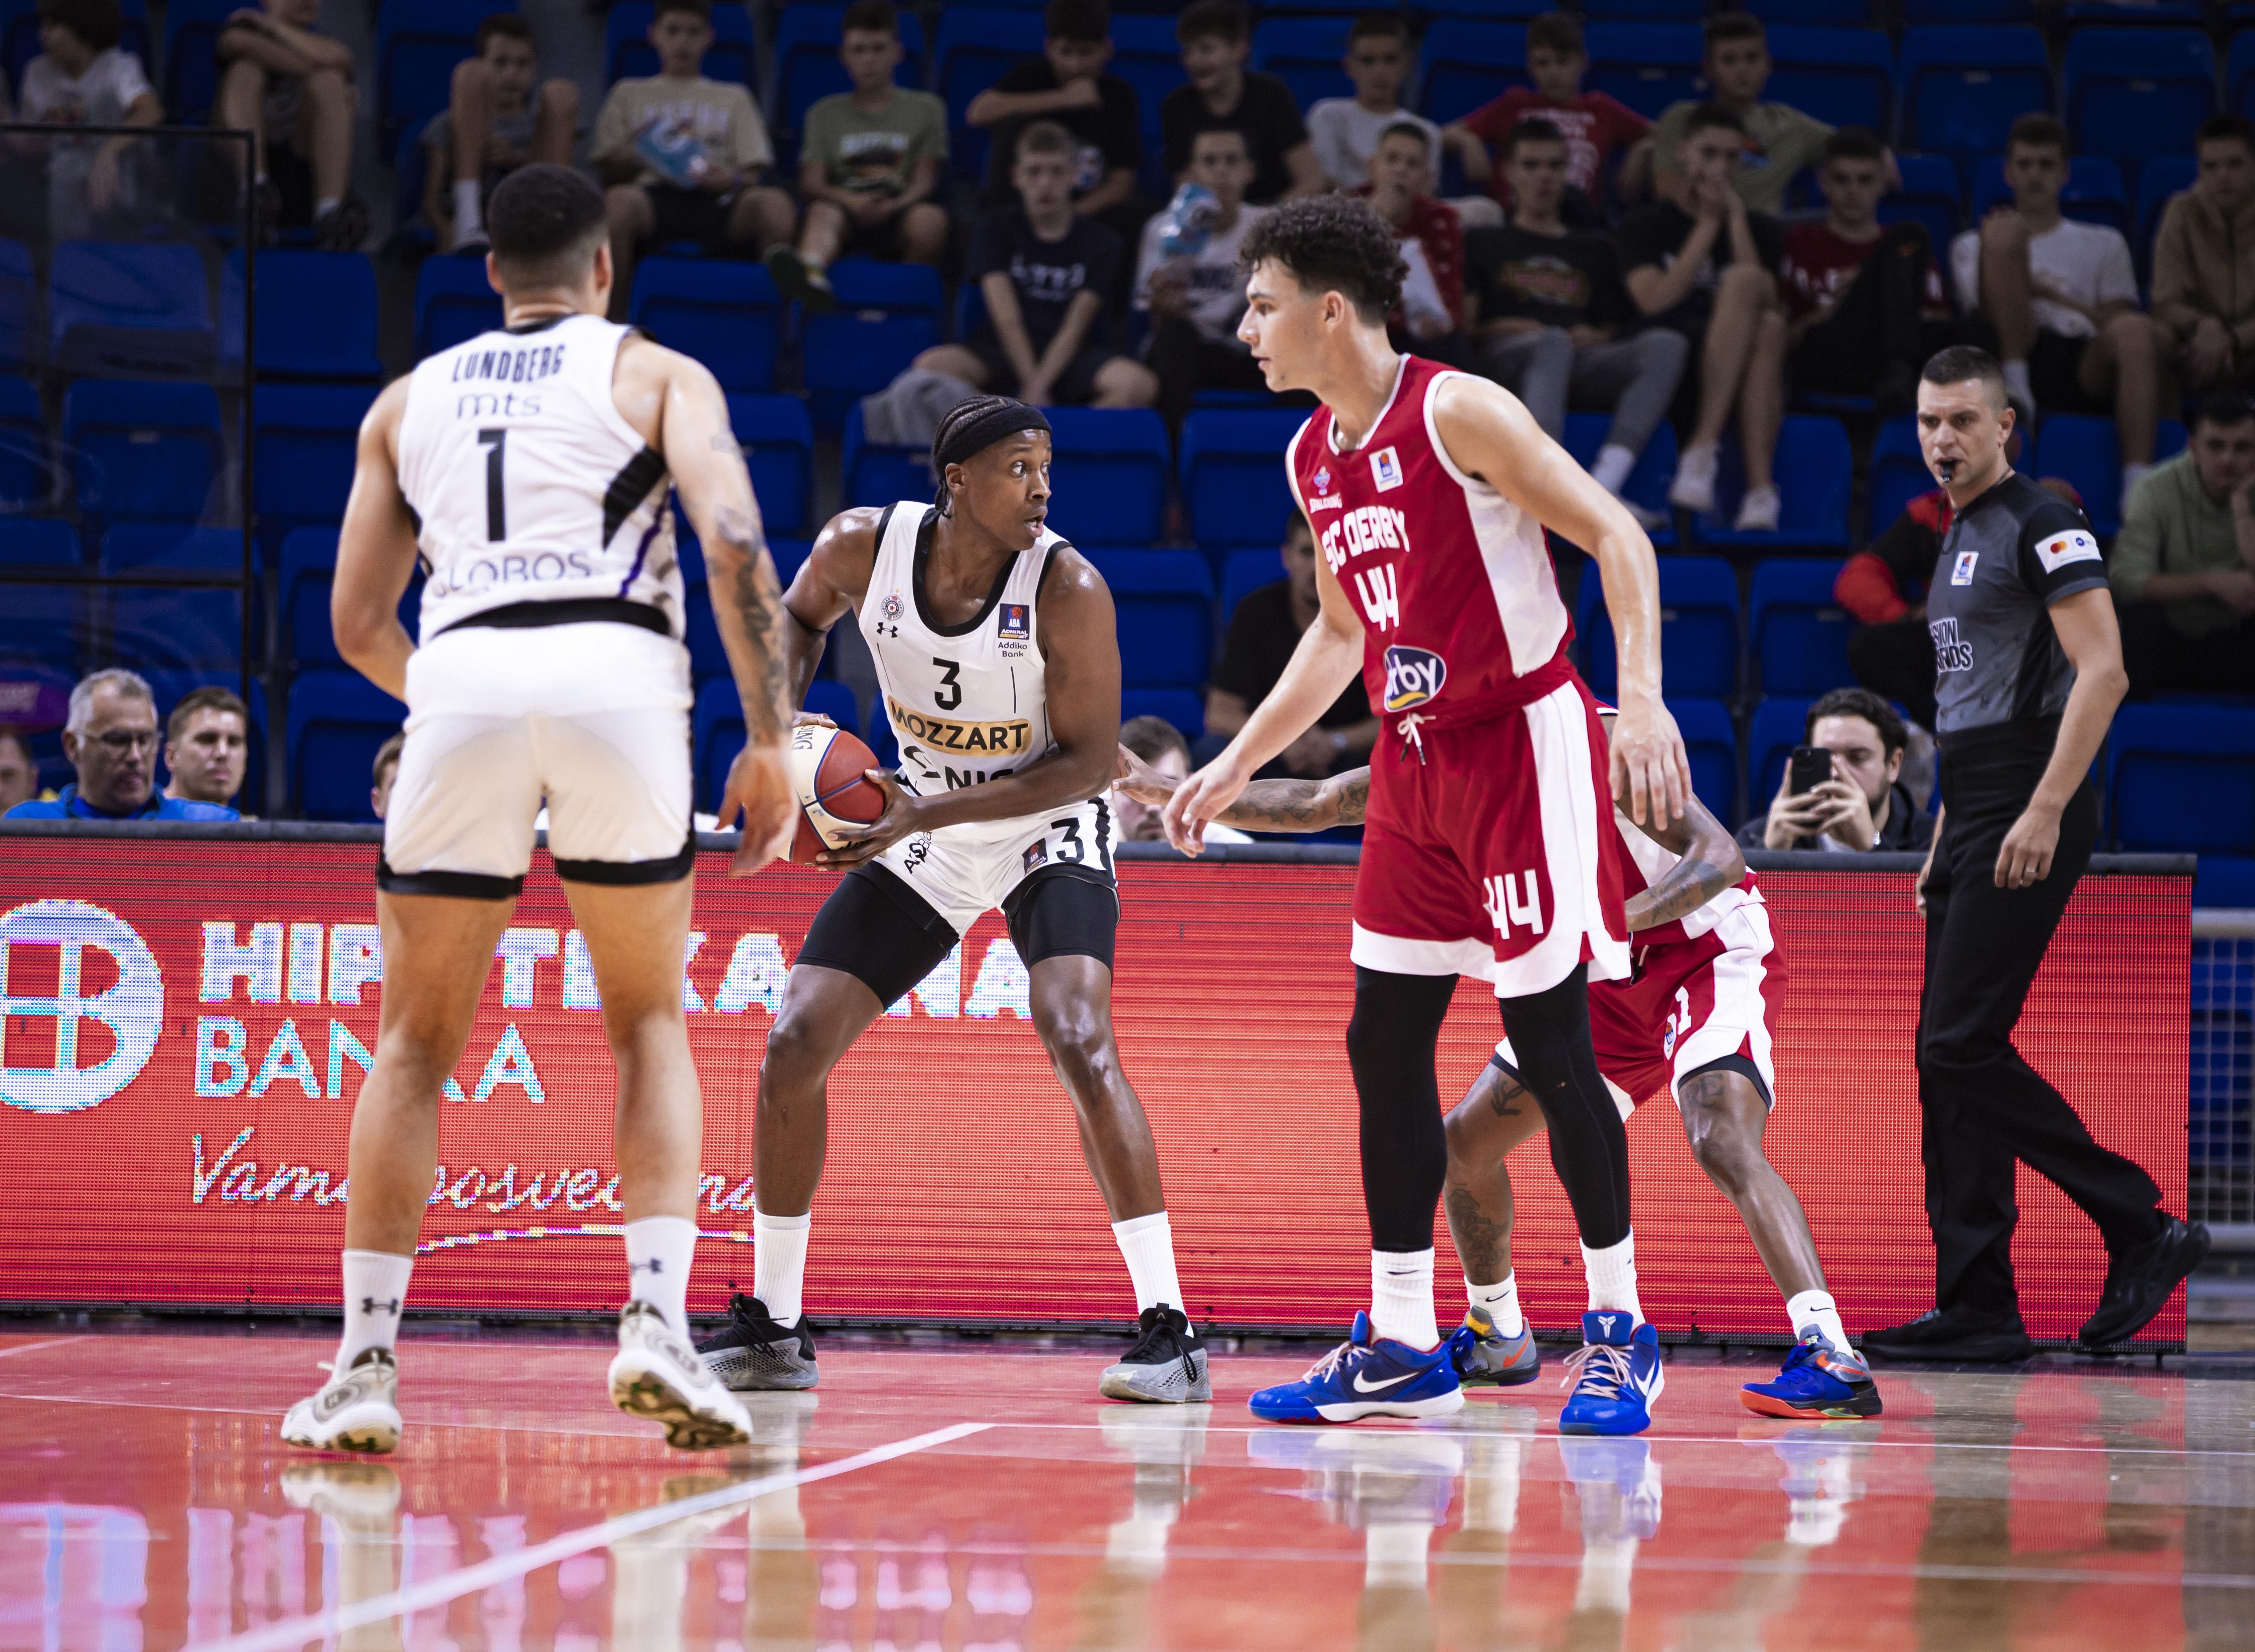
x=1650, y=766
x=759, y=790
x=1139, y=780
x=1197, y=800
x=866, y=843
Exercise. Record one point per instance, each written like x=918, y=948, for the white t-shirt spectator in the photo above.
x=102, y=96
x=2091, y=262
x=1345, y=136
x=1217, y=285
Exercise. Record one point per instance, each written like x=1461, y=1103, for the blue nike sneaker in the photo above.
x=1818, y=1380
x=1616, y=1375
x=1365, y=1376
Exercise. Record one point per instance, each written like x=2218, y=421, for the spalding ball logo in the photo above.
x=1413, y=676
x=131, y=1008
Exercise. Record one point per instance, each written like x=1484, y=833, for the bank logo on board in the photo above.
x=130, y=1009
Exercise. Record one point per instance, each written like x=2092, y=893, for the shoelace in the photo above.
x=760, y=1327
x=1163, y=1331
x=1339, y=1358
x=1411, y=729
x=1604, y=1369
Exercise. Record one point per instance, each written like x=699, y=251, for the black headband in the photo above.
x=975, y=435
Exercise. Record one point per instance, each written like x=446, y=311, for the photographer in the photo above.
x=1863, y=805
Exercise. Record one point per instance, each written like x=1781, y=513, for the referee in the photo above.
x=2027, y=674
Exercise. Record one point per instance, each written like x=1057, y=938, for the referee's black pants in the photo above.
x=1982, y=1106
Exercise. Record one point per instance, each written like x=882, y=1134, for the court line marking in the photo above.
x=396, y=1603
x=51, y=1342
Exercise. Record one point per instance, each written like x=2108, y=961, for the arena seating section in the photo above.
x=103, y=475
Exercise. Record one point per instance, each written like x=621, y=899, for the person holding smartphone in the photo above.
x=1843, y=788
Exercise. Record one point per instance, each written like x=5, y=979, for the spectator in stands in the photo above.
x=1345, y=130
x=1703, y=263
x=1860, y=294
x=207, y=746
x=2204, y=262
x=1864, y=806
x=499, y=116
x=111, y=740
x=82, y=77
x=1067, y=84
x=2062, y=299
x=1778, y=140
x=1043, y=271
x=291, y=86
x=386, y=772
x=1430, y=317
x=1163, y=749
x=19, y=771
x=1195, y=293
x=1263, y=633
x=1553, y=312
x=1216, y=37
x=869, y=164
x=2183, y=566
x=683, y=156
x=1596, y=125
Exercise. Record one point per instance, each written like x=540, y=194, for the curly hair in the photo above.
x=1332, y=243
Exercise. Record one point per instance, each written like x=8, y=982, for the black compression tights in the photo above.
x=1405, y=1152
x=1550, y=1033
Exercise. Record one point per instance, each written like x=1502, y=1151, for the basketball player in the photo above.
x=1427, y=491
x=1694, y=1015
x=528, y=470
x=995, y=649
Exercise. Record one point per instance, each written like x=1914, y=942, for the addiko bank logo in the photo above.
x=104, y=980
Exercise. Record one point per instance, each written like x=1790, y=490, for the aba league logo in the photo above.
x=132, y=1008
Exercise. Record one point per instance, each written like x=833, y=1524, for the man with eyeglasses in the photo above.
x=111, y=740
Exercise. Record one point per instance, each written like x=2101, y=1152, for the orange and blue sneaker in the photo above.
x=1367, y=1375
x=1485, y=1358
x=1818, y=1380
x=1615, y=1375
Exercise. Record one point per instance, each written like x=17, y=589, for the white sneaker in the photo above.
x=1694, y=487
x=1757, y=511
x=658, y=1375
x=356, y=1410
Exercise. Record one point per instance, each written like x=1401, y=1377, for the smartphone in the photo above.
x=1811, y=768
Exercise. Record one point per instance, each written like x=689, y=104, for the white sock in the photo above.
x=2017, y=385
x=323, y=208
x=660, y=1252
x=376, y=1290
x=779, y=1263
x=1614, y=462
x=469, y=212
x=1501, y=1303
x=1613, y=1276
x=1401, y=1297
x=1814, y=1308
x=1147, y=1243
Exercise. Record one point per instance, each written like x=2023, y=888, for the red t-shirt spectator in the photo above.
x=1595, y=125
x=1819, y=264
x=1434, y=225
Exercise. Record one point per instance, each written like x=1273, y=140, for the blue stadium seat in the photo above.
x=309, y=562
x=304, y=439
x=26, y=465
x=1464, y=63
x=1916, y=13
x=2239, y=73
x=1233, y=487
x=806, y=59
x=707, y=658
x=19, y=306
x=876, y=475
x=1647, y=65
x=129, y=308
x=19, y=36
x=734, y=55
x=44, y=625
x=2132, y=93
x=1843, y=76
x=887, y=315
x=1107, y=474
x=1963, y=88
x=717, y=732
x=1647, y=482
x=1648, y=10
x=2081, y=448
x=2164, y=176
x=316, y=314
x=778, y=441
x=1931, y=194
x=187, y=629
x=418, y=43
x=143, y=452
x=1800, y=634
x=2093, y=192
x=2138, y=12
x=191, y=31
x=1304, y=53
x=1712, y=742
x=1777, y=726
x=972, y=47
x=33, y=543
x=169, y=548
x=454, y=301
x=725, y=313
x=2182, y=777
x=1244, y=573
x=1699, y=629
x=1899, y=474
x=335, y=724
x=1146, y=55
x=1838, y=14
x=1815, y=474
x=1164, y=601
x=1183, y=707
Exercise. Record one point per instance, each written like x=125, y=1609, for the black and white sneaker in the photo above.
x=752, y=1354
x=1167, y=1364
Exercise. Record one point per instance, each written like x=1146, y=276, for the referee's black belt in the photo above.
x=578, y=610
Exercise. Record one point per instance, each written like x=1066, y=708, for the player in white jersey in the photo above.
x=527, y=470
x=996, y=653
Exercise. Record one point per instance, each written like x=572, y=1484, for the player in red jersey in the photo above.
x=1428, y=492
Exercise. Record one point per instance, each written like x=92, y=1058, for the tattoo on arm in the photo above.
x=758, y=601
x=1688, y=886
x=1301, y=805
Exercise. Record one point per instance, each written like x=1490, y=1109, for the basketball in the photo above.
x=828, y=773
